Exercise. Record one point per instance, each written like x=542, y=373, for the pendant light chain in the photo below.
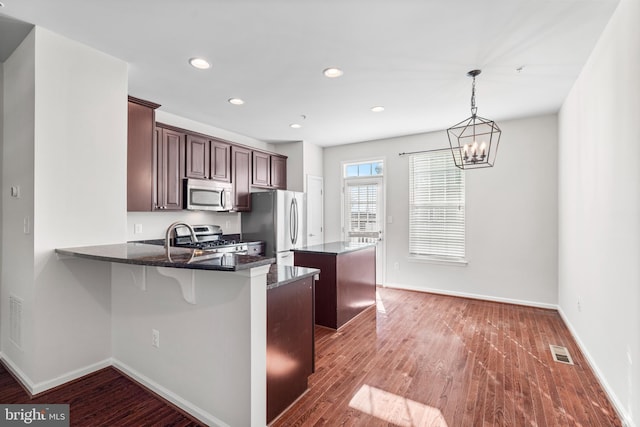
x=474, y=109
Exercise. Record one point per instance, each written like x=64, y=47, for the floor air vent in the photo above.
x=561, y=354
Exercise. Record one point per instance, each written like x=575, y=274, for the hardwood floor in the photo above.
x=430, y=360
x=103, y=398
x=416, y=360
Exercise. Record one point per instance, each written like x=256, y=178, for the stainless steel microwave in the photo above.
x=203, y=195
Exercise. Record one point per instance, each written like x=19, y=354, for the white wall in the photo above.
x=211, y=359
x=313, y=159
x=154, y=224
x=511, y=212
x=1, y=145
x=303, y=158
x=66, y=148
x=80, y=198
x=599, y=209
x=295, y=164
x=17, y=169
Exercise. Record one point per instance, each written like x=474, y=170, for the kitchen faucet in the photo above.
x=167, y=238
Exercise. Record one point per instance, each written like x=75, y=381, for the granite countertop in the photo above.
x=335, y=248
x=283, y=274
x=154, y=255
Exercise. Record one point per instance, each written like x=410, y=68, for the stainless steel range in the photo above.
x=210, y=239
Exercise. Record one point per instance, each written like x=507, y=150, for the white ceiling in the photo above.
x=410, y=56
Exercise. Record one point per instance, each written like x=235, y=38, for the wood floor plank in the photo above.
x=432, y=360
x=103, y=398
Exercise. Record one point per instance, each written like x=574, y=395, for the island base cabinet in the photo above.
x=290, y=343
x=347, y=284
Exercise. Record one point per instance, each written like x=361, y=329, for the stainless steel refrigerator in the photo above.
x=278, y=217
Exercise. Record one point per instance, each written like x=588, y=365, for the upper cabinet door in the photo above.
x=241, y=172
x=279, y=172
x=220, y=161
x=170, y=161
x=197, y=157
x=140, y=169
x=261, y=169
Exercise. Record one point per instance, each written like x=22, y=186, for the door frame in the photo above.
x=320, y=180
x=382, y=245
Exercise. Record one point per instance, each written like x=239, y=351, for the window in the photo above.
x=363, y=201
x=436, y=207
x=352, y=170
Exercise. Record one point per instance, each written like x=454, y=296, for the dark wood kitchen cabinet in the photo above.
x=241, y=178
x=197, y=156
x=169, y=165
x=269, y=171
x=220, y=160
x=279, y=172
x=290, y=346
x=207, y=158
x=261, y=175
x=140, y=154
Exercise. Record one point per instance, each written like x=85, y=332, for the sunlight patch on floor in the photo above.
x=396, y=409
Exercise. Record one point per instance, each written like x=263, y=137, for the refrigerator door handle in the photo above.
x=291, y=222
x=295, y=205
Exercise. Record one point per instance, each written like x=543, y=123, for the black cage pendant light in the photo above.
x=474, y=141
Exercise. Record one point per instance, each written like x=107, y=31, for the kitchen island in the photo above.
x=347, y=284
x=192, y=328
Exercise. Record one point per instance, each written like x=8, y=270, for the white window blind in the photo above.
x=436, y=206
x=363, y=201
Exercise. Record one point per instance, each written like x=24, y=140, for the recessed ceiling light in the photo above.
x=295, y=125
x=236, y=101
x=1, y=4
x=377, y=109
x=332, y=72
x=199, y=63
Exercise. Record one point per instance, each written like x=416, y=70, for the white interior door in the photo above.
x=315, y=206
x=364, y=215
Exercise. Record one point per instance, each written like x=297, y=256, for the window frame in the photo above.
x=437, y=258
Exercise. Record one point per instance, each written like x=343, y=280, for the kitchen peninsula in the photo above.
x=193, y=328
x=347, y=284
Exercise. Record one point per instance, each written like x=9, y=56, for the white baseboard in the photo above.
x=618, y=406
x=18, y=373
x=167, y=394
x=70, y=376
x=473, y=296
x=36, y=388
x=185, y=405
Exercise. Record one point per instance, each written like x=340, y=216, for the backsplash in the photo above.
x=154, y=224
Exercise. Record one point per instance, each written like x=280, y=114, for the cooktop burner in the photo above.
x=207, y=244
x=209, y=239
